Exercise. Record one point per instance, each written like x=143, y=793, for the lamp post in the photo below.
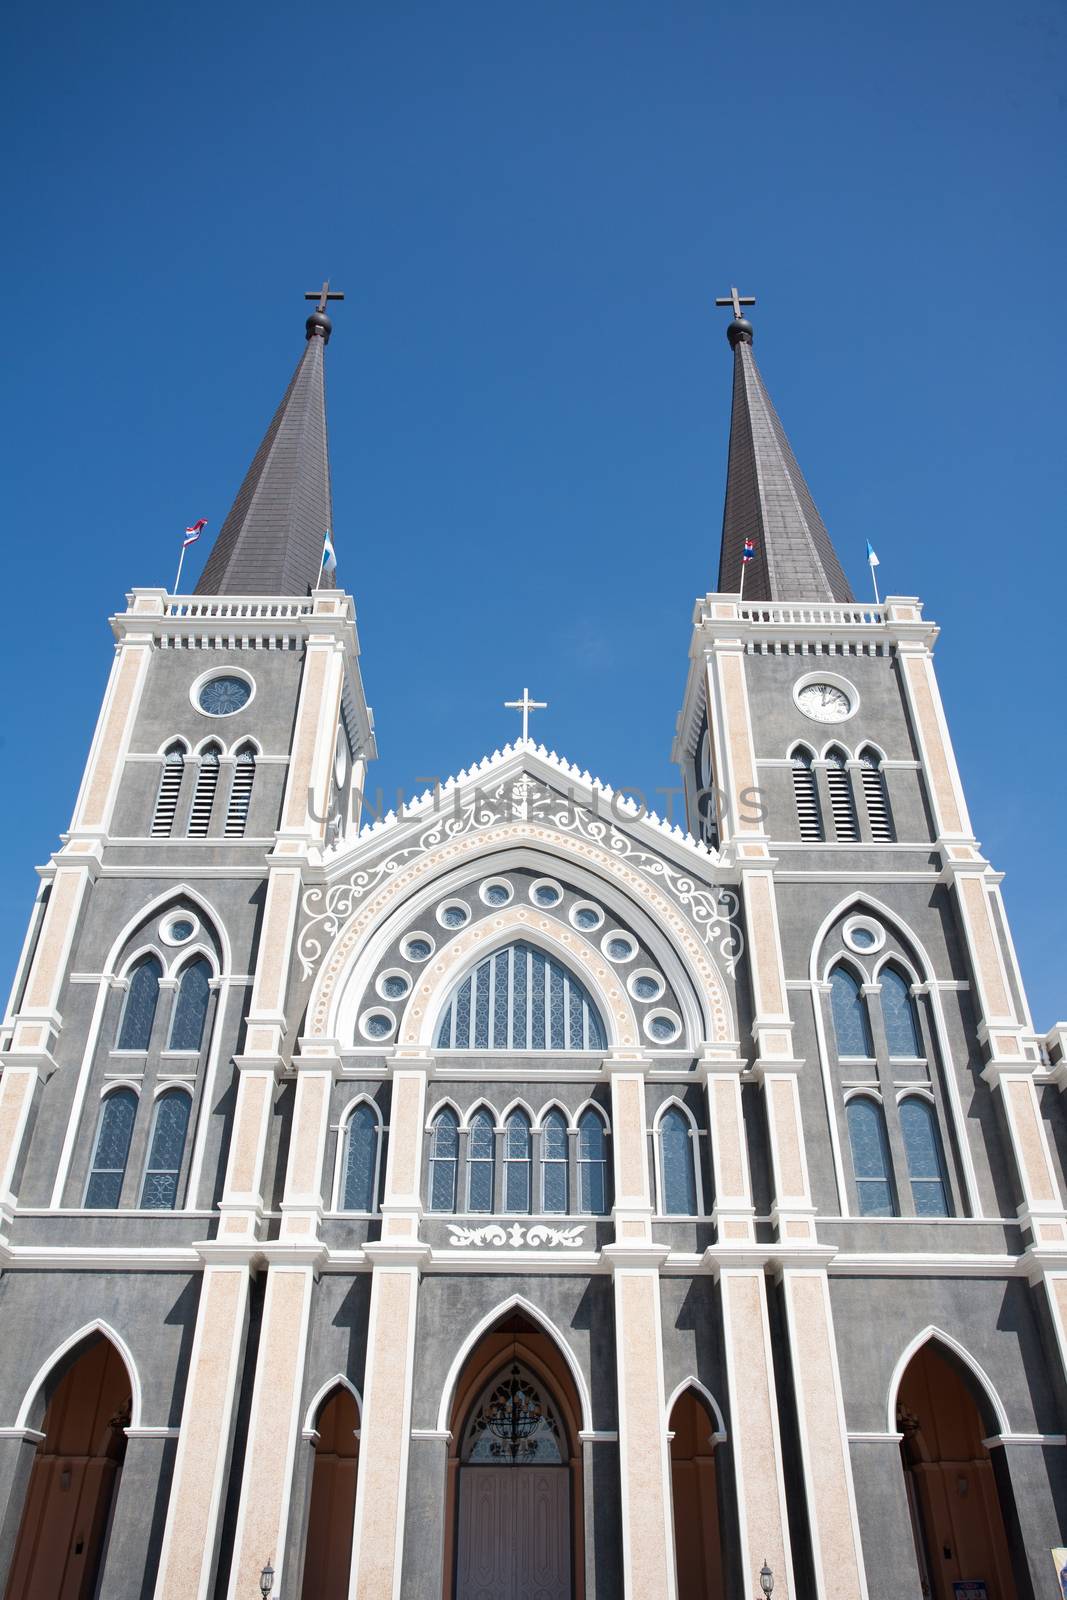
x=266, y=1580
x=766, y=1578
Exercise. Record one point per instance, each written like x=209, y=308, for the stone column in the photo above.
x=882, y=1508
x=140, y=1510
x=385, y=1433
x=644, y=1452
x=18, y=1449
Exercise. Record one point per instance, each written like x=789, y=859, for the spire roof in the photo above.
x=768, y=501
x=272, y=539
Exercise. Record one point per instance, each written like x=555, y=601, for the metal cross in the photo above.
x=525, y=705
x=322, y=295
x=736, y=300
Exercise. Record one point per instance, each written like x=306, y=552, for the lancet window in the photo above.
x=362, y=1150
x=521, y=998
x=170, y=1123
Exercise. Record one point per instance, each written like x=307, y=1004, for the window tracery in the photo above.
x=170, y=1123
x=521, y=998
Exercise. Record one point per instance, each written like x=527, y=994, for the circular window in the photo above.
x=496, y=891
x=417, y=947
x=662, y=1027
x=645, y=985
x=863, y=935
x=546, y=892
x=221, y=696
x=825, y=697
x=393, y=985
x=179, y=930
x=377, y=1025
x=340, y=759
x=619, y=946
x=453, y=914
x=587, y=916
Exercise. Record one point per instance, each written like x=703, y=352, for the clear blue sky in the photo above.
x=531, y=208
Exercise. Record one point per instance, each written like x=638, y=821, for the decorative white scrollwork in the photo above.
x=712, y=910
x=516, y=1235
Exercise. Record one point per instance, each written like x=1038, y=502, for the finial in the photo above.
x=739, y=330
x=319, y=324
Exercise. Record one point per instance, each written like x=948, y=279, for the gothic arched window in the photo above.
x=139, y=1012
x=554, y=1162
x=159, y=1192
x=872, y=781
x=207, y=781
x=870, y=1157
x=190, y=1008
x=677, y=1164
x=592, y=1164
x=519, y=998
x=517, y=1162
x=170, y=787
x=444, y=1160
x=842, y=800
x=514, y=1424
x=111, y=1150
x=481, y=1161
x=244, y=776
x=922, y=1146
x=359, y=1182
x=806, y=795
x=898, y=1014
x=852, y=1027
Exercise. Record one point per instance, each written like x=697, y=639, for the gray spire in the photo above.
x=768, y=501
x=271, y=542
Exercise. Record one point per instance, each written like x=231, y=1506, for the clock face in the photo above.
x=824, y=702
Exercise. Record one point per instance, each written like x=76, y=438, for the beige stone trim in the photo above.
x=754, y=1431
x=729, y=1152
x=407, y=1115
x=190, y=1540
x=765, y=956
x=381, y=1490
x=644, y=1462
x=831, y=1499
x=111, y=740
x=17, y=1088
x=984, y=946
x=272, y=1431
x=57, y=936
x=629, y=1141
x=244, y=1173
x=938, y=758
x=307, y=1145
x=275, y=945
x=1030, y=1141
x=313, y=741
x=786, y=1140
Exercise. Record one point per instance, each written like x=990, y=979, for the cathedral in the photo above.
x=520, y=1196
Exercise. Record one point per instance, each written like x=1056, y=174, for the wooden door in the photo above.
x=513, y=1538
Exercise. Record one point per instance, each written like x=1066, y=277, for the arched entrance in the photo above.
x=514, y=1482
x=955, y=1506
x=62, y=1537
x=331, y=1516
x=695, y=1499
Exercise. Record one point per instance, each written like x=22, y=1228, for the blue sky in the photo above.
x=531, y=209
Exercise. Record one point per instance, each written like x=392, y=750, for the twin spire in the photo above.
x=272, y=540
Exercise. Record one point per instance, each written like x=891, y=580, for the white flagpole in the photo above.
x=178, y=575
x=874, y=573
x=322, y=561
x=741, y=588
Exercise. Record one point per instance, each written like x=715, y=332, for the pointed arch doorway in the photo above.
x=695, y=1497
x=62, y=1538
x=957, y=1512
x=514, y=1472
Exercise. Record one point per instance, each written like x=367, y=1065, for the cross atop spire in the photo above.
x=732, y=299
x=525, y=705
x=326, y=293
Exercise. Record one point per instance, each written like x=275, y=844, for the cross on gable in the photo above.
x=323, y=294
x=525, y=705
x=736, y=300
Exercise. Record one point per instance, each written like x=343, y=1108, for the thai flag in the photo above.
x=192, y=534
x=748, y=553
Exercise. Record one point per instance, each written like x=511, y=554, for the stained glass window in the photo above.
x=554, y=1157
x=166, y=1147
x=111, y=1151
x=222, y=696
x=517, y=1162
x=513, y=1425
x=519, y=998
x=677, y=1149
x=851, y=1027
x=190, y=1009
x=444, y=1159
x=898, y=1014
x=361, y=1159
x=592, y=1164
x=481, y=1161
x=139, y=1012
x=922, y=1146
x=870, y=1157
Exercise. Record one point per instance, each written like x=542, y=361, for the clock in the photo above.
x=824, y=702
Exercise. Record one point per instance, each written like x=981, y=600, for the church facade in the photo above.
x=520, y=1195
